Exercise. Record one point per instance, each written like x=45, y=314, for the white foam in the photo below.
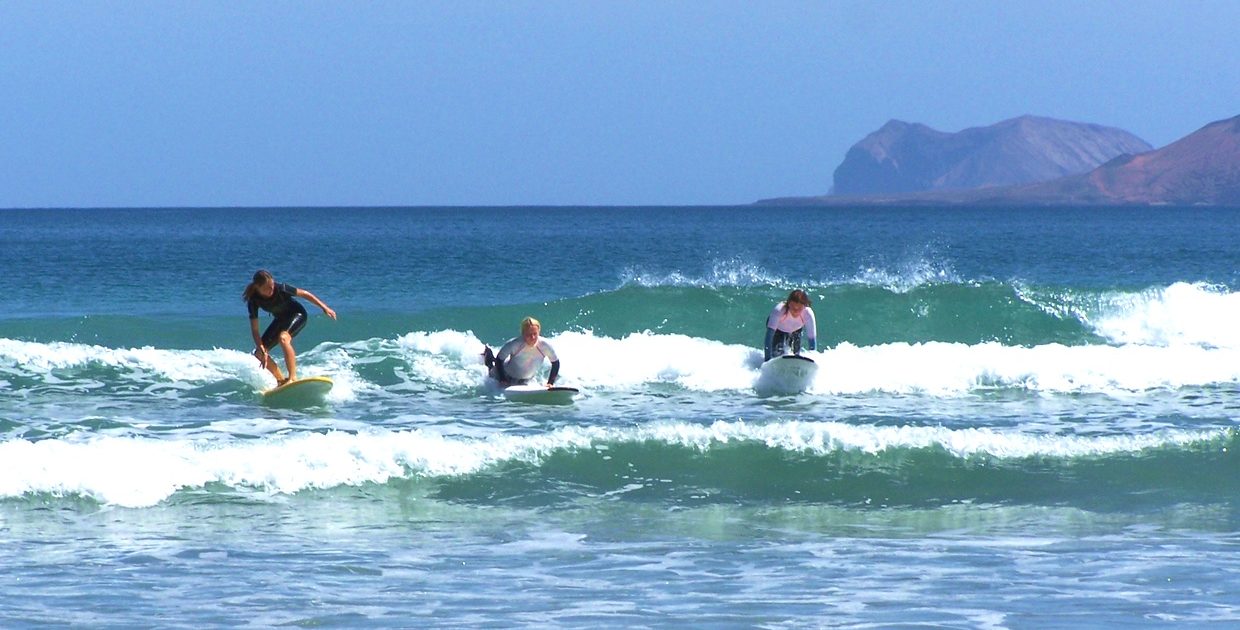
x=639, y=360
x=648, y=358
x=1179, y=314
x=446, y=358
x=451, y=360
x=191, y=366
x=952, y=368
x=137, y=472
x=334, y=362
x=935, y=368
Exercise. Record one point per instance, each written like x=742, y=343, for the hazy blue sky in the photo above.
x=423, y=103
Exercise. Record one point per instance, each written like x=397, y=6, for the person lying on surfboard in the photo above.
x=785, y=323
x=521, y=357
x=288, y=318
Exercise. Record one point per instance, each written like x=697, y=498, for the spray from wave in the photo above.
x=900, y=277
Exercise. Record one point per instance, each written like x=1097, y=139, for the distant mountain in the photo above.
x=1200, y=168
x=905, y=157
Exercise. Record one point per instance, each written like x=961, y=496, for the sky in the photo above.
x=462, y=103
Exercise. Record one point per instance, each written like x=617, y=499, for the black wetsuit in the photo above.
x=288, y=314
x=781, y=340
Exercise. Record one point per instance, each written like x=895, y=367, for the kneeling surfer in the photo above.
x=785, y=323
x=288, y=318
x=520, y=357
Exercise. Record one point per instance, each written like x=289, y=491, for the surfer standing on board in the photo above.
x=288, y=318
x=521, y=356
x=785, y=323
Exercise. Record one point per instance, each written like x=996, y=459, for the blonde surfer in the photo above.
x=520, y=357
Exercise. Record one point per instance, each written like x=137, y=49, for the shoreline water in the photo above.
x=1016, y=422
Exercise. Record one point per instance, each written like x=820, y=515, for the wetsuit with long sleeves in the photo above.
x=782, y=328
x=517, y=362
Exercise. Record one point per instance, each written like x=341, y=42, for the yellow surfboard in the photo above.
x=303, y=392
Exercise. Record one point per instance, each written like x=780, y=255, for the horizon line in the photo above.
x=381, y=206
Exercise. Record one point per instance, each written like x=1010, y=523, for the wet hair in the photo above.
x=261, y=278
x=797, y=296
x=529, y=322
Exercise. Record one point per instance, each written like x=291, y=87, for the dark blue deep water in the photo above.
x=1022, y=418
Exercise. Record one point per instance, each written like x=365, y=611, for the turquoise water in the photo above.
x=1023, y=418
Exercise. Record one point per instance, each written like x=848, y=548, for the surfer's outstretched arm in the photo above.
x=302, y=293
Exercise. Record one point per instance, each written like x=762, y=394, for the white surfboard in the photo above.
x=539, y=394
x=787, y=374
x=303, y=392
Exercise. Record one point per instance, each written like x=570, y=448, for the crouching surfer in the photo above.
x=288, y=318
x=520, y=357
x=785, y=324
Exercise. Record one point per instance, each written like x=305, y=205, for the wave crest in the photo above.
x=139, y=472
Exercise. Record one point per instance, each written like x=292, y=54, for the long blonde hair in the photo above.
x=261, y=278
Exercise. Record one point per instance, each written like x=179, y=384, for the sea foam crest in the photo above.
x=954, y=368
x=447, y=358
x=935, y=368
x=451, y=359
x=138, y=472
x=1181, y=313
x=193, y=366
x=332, y=361
x=648, y=358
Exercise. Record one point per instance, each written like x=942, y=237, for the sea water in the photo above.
x=1024, y=418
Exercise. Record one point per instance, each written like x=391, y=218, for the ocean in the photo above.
x=1024, y=418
